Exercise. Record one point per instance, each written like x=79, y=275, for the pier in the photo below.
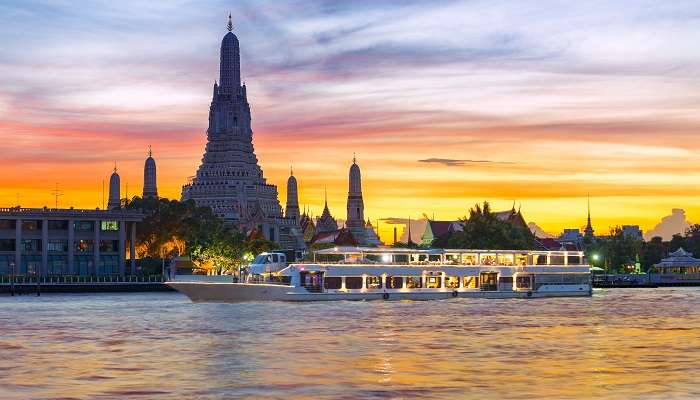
x=26, y=285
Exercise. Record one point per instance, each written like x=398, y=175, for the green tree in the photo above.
x=620, y=250
x=652, y=252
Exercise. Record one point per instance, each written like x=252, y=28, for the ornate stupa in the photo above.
x=355, y=221
x=292, y=208
x=150, y=188
x=326, y=222
x=229, y=179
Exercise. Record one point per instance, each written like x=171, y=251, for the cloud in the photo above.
x=450, y=162
x=670, y=225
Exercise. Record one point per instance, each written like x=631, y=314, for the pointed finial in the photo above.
x=325, y=195
x=115, y=167
x=150, y=153
x=230, y=23
x=291, y=171
x=354, y=159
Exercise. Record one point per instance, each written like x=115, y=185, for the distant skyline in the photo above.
x=446, y=103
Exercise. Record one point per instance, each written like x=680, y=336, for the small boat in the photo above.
x=383, y=273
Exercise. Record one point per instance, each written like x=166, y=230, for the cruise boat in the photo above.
x=356, y=273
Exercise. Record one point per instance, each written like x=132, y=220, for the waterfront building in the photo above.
x=229, y=179
x=437, y=232
x=338, y=237
x=114, y=191
x=292, y=209
x=150, y=187
x=44, y=242
x=355, y=221
x=632, y=231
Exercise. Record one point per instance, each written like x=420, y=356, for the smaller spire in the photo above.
x=354, y=159
x=115, y=167
x=409, y=241
x=230, y=23
x=150, y=153
x=291, y=171
x=325, y=195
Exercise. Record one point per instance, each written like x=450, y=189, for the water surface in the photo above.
x=621, y=343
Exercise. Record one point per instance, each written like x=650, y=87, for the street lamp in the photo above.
x=12, y=278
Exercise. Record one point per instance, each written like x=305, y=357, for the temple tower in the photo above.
x=292, y=209
x=150, y=189
x=356, y=209
x=114, y=188
x=229, y=179
x=588, y=231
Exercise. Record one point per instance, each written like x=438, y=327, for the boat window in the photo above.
x=488, y=259
x=573, y=260
x=539, y=259
x=433, y=282
x=469, y=259
x=452, y=258
x=452, y=282
x=394, y=282
x=505, y=259
x=523, y=282
x=332, y=282
x=259, y=259
x=470, y=282
x=488, y=281
x=419, y=258
x=413, y=282
x=556, y=260
x=505, y=282
x=353, y=282
x=434, y=257
x=401, y=258
x=374, y=282
x=273, y=258
x=521, y=259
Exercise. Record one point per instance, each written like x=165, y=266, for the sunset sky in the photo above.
x=445, y=103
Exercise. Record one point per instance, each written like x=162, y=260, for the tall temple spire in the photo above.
x=292, y=208
x=409, y=241
x=588, y=231
x=355, y=220
x=230, y=63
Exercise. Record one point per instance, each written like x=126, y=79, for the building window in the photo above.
x=394, y=282
x=353, y=282
x=31, y=245
x=414, y=282
x=57, y=265
x=57, y=246
x=332, y=282
x=84, y=265
x=109, y=246
x=7, y=264
x=7, y=223
x=84, y=226
x=58, y=225
x=109, y=225
x=31, y=225
x=84, y=246
x=374, y=282
x=7, y=244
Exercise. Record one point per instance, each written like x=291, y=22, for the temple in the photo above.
x=229, y=179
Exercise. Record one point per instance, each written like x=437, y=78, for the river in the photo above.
x=620, y=343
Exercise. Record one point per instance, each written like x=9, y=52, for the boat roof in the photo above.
x=400, y=250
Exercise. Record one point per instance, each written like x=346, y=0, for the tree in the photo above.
x=620, y=250
x=652, y=252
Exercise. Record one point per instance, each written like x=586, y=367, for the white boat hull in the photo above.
x=240, y=292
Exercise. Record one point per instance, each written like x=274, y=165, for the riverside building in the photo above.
x=46, y=241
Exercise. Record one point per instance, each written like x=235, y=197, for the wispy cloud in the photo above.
x=450, y=162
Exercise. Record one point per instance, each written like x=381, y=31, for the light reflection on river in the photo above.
x=633, y=343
